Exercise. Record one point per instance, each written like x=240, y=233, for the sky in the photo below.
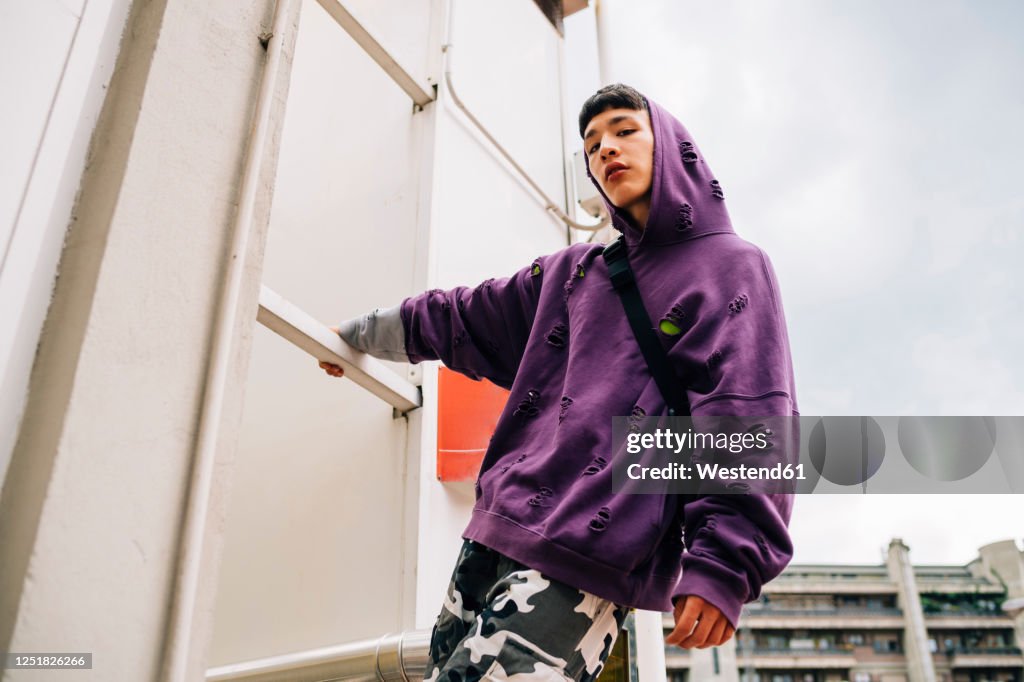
x=872, y=150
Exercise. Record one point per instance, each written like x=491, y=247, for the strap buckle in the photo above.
x=619, y=271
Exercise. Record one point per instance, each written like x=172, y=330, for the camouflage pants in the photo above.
x=504, y=621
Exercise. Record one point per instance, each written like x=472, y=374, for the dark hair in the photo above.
x=614, y=96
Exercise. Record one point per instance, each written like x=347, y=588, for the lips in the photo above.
x=613, y=170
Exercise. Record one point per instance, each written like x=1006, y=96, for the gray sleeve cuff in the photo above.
x=378, y=333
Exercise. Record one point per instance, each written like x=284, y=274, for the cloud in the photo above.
x=874, y=152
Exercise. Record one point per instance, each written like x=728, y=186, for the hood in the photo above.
x=686, y=200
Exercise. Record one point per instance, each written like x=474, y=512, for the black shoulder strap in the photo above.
x=657, y=361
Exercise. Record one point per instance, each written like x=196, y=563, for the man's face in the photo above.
x=622, y=137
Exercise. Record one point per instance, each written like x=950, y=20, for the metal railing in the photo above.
x=964, y=613
x=985, y=651
x=304, y=331
x=391, y=657
x=768, y=610
x=790, y=651
x=421, y=93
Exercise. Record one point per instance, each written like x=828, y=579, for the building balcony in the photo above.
x=984, y=657
x=872, y=585
x=791, y=651
x=762, y=616
x=976, y=586
x=830, y=611
x=952, y=620
x=778, y=658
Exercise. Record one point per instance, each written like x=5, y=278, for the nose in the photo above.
x=607, y=151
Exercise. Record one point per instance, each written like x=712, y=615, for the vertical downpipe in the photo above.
x=174, y=666
x=603, y=67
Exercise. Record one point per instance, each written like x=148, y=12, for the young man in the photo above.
x=552, y=559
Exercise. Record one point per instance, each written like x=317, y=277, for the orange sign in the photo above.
x=467, y=414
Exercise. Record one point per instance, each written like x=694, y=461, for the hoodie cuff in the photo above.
x=717, y=588
x=378, y=333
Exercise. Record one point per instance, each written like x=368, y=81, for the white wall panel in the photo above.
x=506, y=71
x=489, y=224
x=486, y=220
x=313, y=547
x=312, y=553
x=35, y=39
x=57, y=58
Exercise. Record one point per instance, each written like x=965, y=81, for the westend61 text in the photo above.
x=714, y=472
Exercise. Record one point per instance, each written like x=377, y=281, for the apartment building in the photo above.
x=890, y=622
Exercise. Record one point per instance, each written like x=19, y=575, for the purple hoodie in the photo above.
x=555, y=334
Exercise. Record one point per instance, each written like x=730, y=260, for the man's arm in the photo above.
x=378, y=333
x=478, y=331
x=735, y=543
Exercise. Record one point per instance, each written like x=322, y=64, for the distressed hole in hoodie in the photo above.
x=737, y=304
x=446, y=305
x=715, y=358
x=535, y=269
x=567, y=289
x=762, y=546
x=527, y=407
x=710, y=522
x=579, y=271
x=601, y=519
x=563, y=407
x=634, y=418
x=460, y=338
x=433, y=292
x=505, y=467
x=672, y=323
x=598, y=464
x=538, y=499
x=486, y=284
x=684, y=217
x=716, y=190
x=686, y=152
x=739, y=486
x=556, y=337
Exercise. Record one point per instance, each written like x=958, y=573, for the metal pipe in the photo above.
x=174, y=666
x=421, y=94
x=391, y=657
x=549, y=205
x=601, y=19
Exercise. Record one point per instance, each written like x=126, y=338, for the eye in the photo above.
x=625, y=131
